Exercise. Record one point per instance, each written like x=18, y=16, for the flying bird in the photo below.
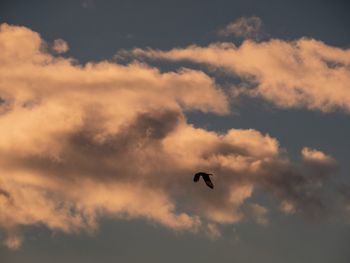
x=206, y=179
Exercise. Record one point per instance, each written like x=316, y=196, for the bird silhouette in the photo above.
x=206, y=179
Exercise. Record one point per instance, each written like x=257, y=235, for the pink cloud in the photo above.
x=81, y=142
x=304, y=73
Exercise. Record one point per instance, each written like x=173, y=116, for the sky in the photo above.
x=108, y=108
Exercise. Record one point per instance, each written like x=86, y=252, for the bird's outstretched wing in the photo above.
x=207, y=181
x=196, y=177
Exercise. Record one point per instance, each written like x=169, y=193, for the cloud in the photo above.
x=88, y=4
x=311, y=155
x=259, y=214
x=287, y=207
x=82, y=142
x=60, y=46
x=213, y=231
x=246, y=27
x=13, y=241
x=305, y=73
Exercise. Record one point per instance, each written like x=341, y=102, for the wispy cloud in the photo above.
x=245, y=27
x=88, y=4
x=304, y=73
x=259, y=213
x=60, y=46
x=81, y=142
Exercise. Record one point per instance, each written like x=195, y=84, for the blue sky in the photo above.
x=96, y=31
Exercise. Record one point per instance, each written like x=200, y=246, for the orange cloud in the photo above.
x=81, y=142
x=305, y=73
x=311, y=155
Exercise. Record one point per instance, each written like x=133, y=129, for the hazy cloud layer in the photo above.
x=80, y=142
x=305, y=73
